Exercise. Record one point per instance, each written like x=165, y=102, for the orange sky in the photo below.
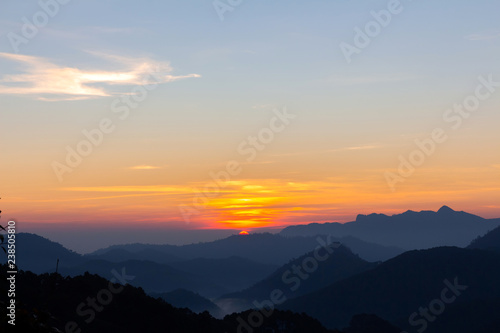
x=160, y=97
x=252, y=203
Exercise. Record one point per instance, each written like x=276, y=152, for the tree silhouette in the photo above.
x=2, y=237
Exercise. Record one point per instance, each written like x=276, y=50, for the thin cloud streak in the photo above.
x=363, y=147
x=147, y=188
x=42, y=77
x=144, y=167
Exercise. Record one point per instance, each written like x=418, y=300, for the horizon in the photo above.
x=79, y=238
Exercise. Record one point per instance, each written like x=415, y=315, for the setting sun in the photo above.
x=244, y=233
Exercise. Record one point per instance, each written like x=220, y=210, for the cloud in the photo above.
x=48, y=81
x=144, y=167
x=350, y=148
x=137, y=189
x=365, y=147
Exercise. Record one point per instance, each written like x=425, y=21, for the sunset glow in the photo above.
x=223, y=126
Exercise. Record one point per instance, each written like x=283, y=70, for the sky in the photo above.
x=237, y=115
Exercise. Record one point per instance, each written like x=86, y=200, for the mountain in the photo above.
x=264, y=248
x=49, y=303
x=40, y=255
x=182, y=298
x=370, y=323
x=118, y=255
x=209, y=277
x=409, y=230
x=368, y=251
x=402, y=286
x=474, y=316
x=490, y=241
x=300, y=276
x=234, y=273
x=150, y=276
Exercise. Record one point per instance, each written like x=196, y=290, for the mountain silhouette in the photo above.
x=49, y=303
x=292, y=282
x=118, y=255
x=182, y=298
x=150, y=276
x=370, y=323
x=409, y=230
x=399, y=287
x=39, y=255
x=490, y=241
x=264, y=248
x=234, y=273
x=343, y=291
x=208, y=277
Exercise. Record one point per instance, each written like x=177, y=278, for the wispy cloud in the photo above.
x=335, y=150
x=483, y=36
x=48, y=81
x=144, y=167
x=120, y=189
x=364, y=147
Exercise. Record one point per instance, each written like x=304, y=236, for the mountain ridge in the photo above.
x=408, y=230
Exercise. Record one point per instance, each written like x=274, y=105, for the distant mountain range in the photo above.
x=264, y=248
x=150, y=276
x=317, y=275
x=119, y=255
x=409, y=230
x=209, y=277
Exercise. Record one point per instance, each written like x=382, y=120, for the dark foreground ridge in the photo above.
x=452, y=284
x=49, y=303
